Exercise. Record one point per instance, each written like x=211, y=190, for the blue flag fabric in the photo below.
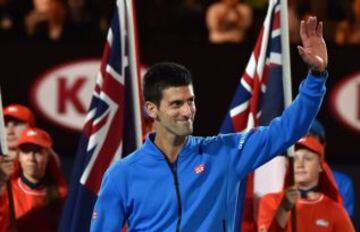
x=109, y=130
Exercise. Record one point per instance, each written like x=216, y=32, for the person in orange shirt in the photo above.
x=17, y=119
x=315, y=196
x=38, y=186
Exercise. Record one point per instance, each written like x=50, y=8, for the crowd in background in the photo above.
x=162, y=20
x=54, y=20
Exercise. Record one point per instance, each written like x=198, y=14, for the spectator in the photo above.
x=6, y=20
x=228, y=21
x=46, y=20
x=38, y=187
x=17, y=119
x=343, y=181
x=348, y=30
x=315, y=196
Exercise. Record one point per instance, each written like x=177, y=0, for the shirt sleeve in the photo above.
x=4, y=212
x=342, y=221
x=266, y=220
x=109, y=212
x=264, y=143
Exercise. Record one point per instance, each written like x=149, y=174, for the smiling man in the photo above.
x=180, y=182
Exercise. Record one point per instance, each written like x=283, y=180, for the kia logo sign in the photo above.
x=63, y=93
x=345, y=101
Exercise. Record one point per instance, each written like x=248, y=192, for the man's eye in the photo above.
x=176, y=103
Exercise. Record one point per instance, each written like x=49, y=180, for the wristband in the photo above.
x=318, y=73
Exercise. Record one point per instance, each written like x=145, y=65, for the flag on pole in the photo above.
x=113, y=125
x=257, y=100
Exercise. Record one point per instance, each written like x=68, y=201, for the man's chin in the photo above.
x=185, y=132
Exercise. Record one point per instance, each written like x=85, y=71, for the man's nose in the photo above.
x=188, y=109
x=32, y=155
x=299, y=163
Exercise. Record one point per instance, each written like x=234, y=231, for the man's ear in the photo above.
x=151, y=109
x=320, y=168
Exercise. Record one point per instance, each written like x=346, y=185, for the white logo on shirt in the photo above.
x=322, y=222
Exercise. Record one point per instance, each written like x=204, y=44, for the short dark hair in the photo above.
x=162, y=76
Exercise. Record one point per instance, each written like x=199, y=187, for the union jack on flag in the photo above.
x=113, y=125
x=258, y=99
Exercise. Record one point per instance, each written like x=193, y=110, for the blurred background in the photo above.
x=50, y=51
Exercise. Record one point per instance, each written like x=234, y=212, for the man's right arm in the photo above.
x=109, y=210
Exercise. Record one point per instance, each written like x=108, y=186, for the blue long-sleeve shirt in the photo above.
x=346, y=189
x=198, y=192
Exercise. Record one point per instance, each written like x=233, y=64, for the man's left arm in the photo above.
x=264, y=143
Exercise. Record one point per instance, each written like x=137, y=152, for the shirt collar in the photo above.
x=153, y=150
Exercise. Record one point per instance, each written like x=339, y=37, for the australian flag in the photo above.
x=258, y=99
x=113, y=125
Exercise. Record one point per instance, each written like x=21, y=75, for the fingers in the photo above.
x=319, y=30
x=303, y=33
x=311, y=26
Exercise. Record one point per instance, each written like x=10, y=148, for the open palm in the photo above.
x=313, y=51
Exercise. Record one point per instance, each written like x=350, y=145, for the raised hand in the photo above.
x=313, y=51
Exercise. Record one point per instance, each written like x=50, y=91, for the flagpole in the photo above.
x=286, y=68
x=4, y=151
x=133, y=62
x=4, y=148
x=285, y=53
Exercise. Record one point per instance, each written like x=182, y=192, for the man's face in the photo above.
x=14, y=128
x=33, y=160
x=307, y=168
x=176, y=111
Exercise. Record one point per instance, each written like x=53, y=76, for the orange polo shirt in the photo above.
x=35, y=209
x=321, y=215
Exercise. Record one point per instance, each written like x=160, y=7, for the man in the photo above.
x=316, y=198
x=179, y=182
x=343, y=181
x=38, y=186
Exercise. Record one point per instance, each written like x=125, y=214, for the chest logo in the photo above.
x=322, y=223
x=94, y=215
x=199, y=169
